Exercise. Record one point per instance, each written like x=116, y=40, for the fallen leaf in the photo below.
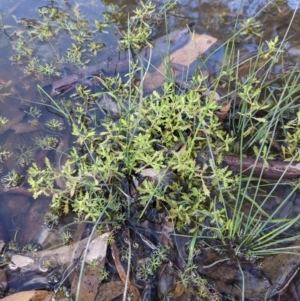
x=184, y=56
x=110, y=290
x=178, y=291
x=223, y=112
x=30, y=296
x=89, y=283
x=212, y=95
x=135, y=294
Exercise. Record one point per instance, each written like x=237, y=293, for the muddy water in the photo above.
x=21, y=217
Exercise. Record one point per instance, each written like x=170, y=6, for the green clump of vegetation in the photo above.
x=151, y=265
x=4, y=152
x=148, y=137
x=24, y=155
x=12, y=179
x=3, y=120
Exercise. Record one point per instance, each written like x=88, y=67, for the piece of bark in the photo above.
x=267, y=170
x=40, y=158
x=222, y=114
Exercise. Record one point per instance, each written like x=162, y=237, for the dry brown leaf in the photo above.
x=212, y=95
x=226, y=108
x=131, y=287
x=110, y=290
x=184, y=56
x=167, y=230
x=30, y=296
x=89, y=282
x=149, y=172
x=223, y=112
x=178, y=291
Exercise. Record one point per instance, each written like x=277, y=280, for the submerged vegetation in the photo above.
x=164, y=154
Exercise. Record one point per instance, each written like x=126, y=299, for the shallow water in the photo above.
x=215, y=18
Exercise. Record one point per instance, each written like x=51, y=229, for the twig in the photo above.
x=268, y=170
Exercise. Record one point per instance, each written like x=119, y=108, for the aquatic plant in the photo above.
x=190, y=275
x=3, y=120
x=24, y=155
x=103, y=275
x=4, y=92
x=55, y=124
x=34, y=113
x=147, y=268
x=140, y=29
x=12, y=179
x=5, y=153
x=48, y=142
x=47, y=69
x=95, y=47
x=30, y=249
x=251, y=27
x=67, y=237
x=51, y=220
x=13, y=245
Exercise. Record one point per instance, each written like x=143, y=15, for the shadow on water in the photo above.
x=27, y=139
